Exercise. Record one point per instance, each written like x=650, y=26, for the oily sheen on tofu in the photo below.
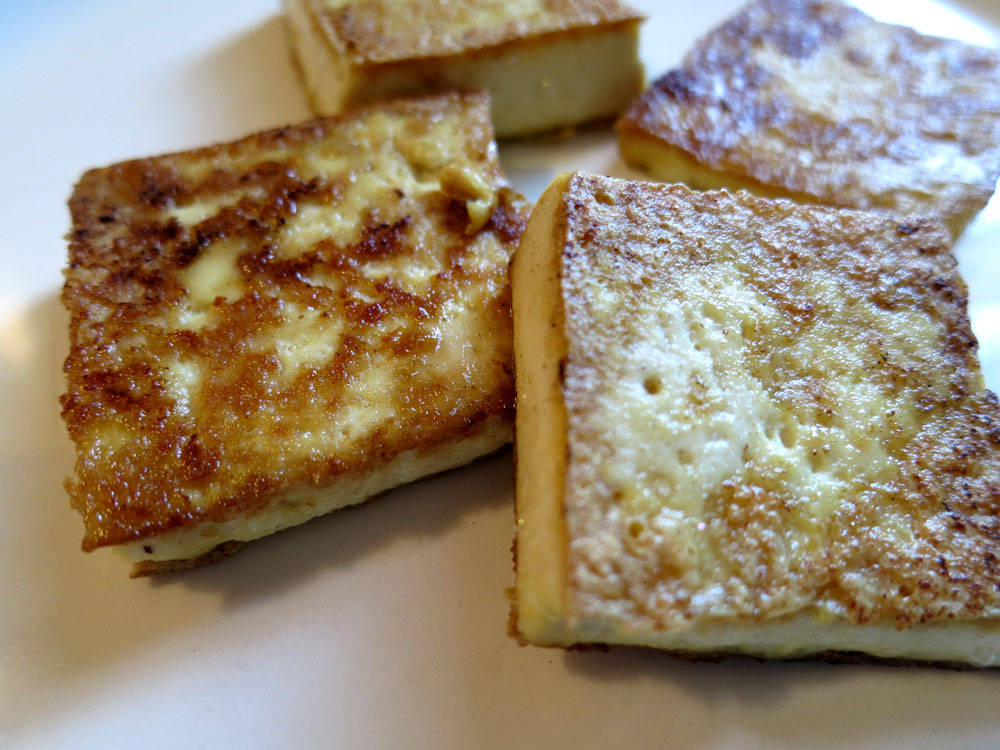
x=267, y=330
x=547, y=65
x=746, y=426
x=815, y=101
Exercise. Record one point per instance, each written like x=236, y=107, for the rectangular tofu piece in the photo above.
x=746, y=426
x=815, y=101
x=547, y=65
x=267, y=330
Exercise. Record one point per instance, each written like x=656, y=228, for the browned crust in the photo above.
x=855, y=658
x=378, y=32
x=222, y=550
x=947, y=489
x=125, y=261
x=156, y=567
x=936, y=99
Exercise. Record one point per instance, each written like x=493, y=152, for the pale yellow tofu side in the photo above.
x=540, y=423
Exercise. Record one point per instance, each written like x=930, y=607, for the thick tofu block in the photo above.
x=546, y=65
x=815, y=101
x=746, y=426
x=267, y=330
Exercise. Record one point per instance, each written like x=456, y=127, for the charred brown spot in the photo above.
x=680, y=85
x=383, y=239
x=508, y=220
x=199, y=461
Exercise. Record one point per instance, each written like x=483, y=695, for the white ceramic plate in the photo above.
x=379, y=627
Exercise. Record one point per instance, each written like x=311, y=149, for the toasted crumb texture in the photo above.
x=775, y=435
x=265, y=330
x=548, y=64
x=812, y=99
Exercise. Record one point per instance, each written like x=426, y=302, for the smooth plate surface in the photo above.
x=383, y=626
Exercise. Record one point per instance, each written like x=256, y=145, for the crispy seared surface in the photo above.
x=775, y=422
x=381, y=31
x=299, y=306
x=815, y=99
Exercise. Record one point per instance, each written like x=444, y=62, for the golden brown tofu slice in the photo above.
x=813, y=100
x=548, y=64
x=267, y=330
x=746, y=426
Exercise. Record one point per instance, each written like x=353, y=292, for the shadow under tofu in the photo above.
x=534, y=163
x=336, y=542
x=753, y=696
x=248, y=84
x=56, y=597
x=987, y=11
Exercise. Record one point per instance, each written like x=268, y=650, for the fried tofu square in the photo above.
x=267, y=330
x=548, y=64
x=815, y=101
x=747, y=426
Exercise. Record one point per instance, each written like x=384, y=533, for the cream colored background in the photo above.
x=378, y=627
